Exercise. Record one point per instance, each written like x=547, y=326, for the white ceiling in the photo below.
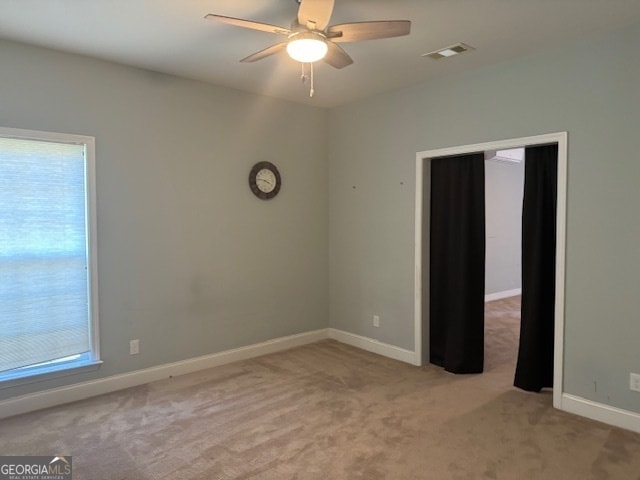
x=171, y=36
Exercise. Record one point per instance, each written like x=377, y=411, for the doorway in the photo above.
x=504, y=189
x=422, y=242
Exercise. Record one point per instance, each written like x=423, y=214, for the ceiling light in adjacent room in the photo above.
x=512, y=155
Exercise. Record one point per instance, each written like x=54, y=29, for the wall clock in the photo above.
x=265, y=180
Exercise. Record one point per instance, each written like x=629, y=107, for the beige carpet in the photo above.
x=330, y=411
x=501, y=333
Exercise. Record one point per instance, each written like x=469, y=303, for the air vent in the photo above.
x=450, y=51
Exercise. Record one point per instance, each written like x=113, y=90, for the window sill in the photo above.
x=40, y=374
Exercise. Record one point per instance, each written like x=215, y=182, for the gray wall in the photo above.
x=588, y=89
x=504, y=186
x=190, y=262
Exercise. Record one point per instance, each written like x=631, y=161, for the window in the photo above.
x=48, y=291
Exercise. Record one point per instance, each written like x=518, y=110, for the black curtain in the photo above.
x=457, y=251
x=534, y=369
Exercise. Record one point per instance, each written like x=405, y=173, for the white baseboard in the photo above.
x=80, y=391
x=490, y=297
x=58, y=396
x=600, y=412
x=374, y=346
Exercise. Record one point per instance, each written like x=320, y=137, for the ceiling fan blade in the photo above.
x=272, y=50
x=337, y=57
x=317, y=12
x=239, y=22
x=353, y=32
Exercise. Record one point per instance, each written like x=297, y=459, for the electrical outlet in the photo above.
x=134, y=347
x=376, y=321
x=634, y=382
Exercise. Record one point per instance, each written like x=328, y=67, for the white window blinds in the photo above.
x=44, y=268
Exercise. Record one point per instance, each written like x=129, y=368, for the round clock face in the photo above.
x=264, y=180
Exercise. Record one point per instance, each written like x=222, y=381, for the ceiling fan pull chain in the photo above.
x=303, y=74
x=311, y=90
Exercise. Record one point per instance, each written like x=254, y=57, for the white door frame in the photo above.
x=423, y=158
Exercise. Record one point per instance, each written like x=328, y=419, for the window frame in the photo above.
x=91, y=361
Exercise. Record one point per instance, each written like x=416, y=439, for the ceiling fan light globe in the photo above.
x=307, y=49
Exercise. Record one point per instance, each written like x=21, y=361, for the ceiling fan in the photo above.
x=310, y=37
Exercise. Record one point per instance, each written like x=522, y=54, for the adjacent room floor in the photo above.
x=330, y=411
x=501, y=333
